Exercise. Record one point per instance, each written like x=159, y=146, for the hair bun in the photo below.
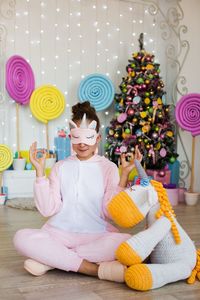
x=84, y=106
x=79, y=109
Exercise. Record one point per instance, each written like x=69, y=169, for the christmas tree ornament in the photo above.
x=129, y=98
x=140, y=80
x=143, y=114
x=163, y=152
x=158, y=145
x=134, y=120
x=116, y=135
x=117, y=151
x=127, y=130
x=130, y=112
x=136, y=100
x=169, y=133
x=122, y=117
x=123, y=149
x=155, y=135
x=172, y=159
x=161, y=173
x=111, y=132
x=124, y=135
x=147, y=101
x=138, y=132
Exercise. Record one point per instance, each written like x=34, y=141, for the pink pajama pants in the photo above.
x=66, y=251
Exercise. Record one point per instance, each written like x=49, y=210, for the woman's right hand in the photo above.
x=37, y=162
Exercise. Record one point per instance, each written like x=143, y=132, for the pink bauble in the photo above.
x=130, y=112
x=129, y=98
x=123, y=149
x=163, y=152
x=161, y=173
x=117, y=150
x=162, y=136
x=155, y=135
x=122, y=117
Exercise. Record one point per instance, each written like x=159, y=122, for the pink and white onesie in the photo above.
x=75, y=197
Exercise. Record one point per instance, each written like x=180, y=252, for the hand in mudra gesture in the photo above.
x=127, y=166
x=37, y=161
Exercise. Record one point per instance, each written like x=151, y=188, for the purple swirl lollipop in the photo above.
x=187, y=113
x=20, y=81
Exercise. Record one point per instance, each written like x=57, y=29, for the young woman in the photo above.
x=77, y=237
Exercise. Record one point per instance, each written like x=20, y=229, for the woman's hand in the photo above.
x=128, y=166
x=37, y=162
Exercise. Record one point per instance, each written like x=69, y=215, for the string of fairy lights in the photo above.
x=76, y=16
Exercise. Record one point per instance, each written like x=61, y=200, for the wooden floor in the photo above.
x=17, y=284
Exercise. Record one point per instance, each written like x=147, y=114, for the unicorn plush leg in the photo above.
x=140, y=246
x=143, y=277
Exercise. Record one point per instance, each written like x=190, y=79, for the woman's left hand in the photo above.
x=127, y=166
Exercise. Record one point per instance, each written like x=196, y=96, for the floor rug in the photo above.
x=21, y=203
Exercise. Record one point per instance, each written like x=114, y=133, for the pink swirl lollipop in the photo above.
x=20, y=81
x=187, y=113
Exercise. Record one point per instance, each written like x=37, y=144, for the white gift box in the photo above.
x=19, y=183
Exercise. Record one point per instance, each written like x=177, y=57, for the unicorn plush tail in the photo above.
x=196, y=271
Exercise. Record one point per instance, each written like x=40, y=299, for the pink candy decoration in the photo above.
x=123, y=149
x=188, y=113
x=122, y=117
x=163, y=152
x=20, y=81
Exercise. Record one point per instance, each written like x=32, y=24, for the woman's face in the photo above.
x=85, y=151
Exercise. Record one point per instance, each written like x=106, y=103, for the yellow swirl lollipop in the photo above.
x=47, y=103
x=6, y=157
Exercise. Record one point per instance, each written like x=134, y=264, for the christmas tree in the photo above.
x=142, y=118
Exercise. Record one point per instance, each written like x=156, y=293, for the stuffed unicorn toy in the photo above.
x=172, y=254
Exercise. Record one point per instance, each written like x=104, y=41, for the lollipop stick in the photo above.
x=47, y=138
x=192, y=168
x=1, y=179
x=17, y=128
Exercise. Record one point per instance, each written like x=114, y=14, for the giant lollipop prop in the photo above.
x=98, y=90
x=47, y=103
x=6, y=160
x=188, y=117
x=20, y=84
